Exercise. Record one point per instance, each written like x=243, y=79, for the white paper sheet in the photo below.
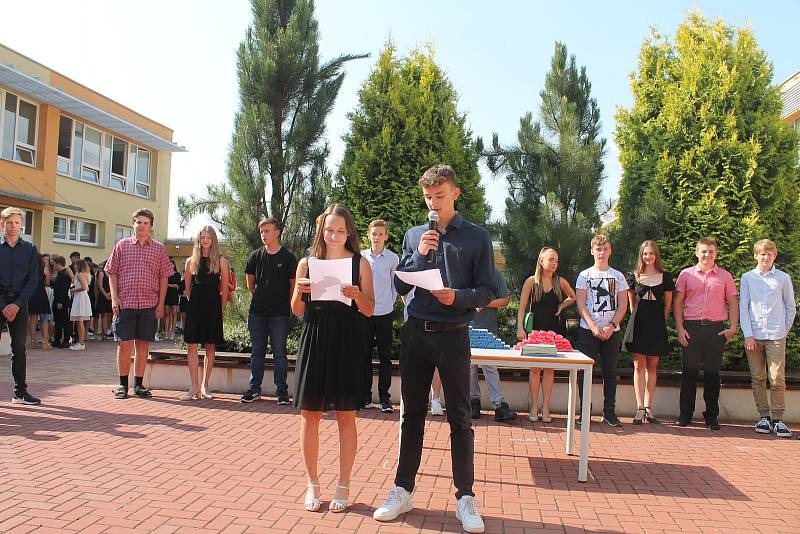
x=430, y=279
x=327, y=278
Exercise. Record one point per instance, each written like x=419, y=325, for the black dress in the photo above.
x=649, y=329
x=328, y=374
x=544, y=311
x=39, y=303
x=172, y=292
x=204, y=309
x=104, y=304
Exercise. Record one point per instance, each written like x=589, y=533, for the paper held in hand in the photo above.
x=430, y=279
x=328, y=277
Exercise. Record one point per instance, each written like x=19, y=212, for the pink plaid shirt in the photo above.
x=139, y=270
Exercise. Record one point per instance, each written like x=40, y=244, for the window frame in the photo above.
x=77, y=224
x=137, y=182
x=87, y=166
x=18, y=145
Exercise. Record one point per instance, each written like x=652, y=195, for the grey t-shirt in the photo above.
x=487, y=317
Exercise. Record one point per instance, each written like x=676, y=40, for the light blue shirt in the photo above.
x=766, y=304
x=383, y=266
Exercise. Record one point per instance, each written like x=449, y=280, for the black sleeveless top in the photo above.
x=544, y=311
x=203, y=277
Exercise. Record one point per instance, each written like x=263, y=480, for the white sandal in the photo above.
x=338, y=505
x=312, y=504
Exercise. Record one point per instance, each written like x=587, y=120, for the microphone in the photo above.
x=433, y=224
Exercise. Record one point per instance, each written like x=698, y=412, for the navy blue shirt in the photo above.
x=19, y=270
x=466, y=261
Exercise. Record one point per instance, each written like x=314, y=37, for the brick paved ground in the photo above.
x=86, y=462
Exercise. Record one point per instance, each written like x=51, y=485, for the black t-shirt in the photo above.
x=272, y=272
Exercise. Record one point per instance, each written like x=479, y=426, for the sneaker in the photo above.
x=24, y=397
x=158, y=337
x=250, y=396
x=475, y=407
x=77, y=346
x=283, y=400
x=611, y=420
x=764, y=425
x=467, y=512
x=683, y=420
x=712, y=423
x=369, y=405
x=89, y=335
x=386, y=407
x=781, y=430
x=121, y=392
x=436, y=407
x=504, y=414
x=398, y=502
x=142, y=392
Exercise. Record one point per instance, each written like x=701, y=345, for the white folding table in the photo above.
x=571, y=361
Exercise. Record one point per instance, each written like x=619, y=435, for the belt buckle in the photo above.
x=425, y=327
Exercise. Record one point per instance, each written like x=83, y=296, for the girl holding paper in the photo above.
x=327, y=374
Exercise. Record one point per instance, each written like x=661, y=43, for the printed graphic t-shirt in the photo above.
x=601, y=294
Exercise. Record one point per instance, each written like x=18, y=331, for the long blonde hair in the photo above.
x=197, y=252
x=538, y=290
x=640, y=267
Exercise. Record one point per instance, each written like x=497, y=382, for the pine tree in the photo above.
x=554, y=174
x=405, y=122
x=276, y=162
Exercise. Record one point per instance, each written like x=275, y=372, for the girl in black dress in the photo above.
x=328, y=373
x=104, y=300
x=171, y=302
x=206, y=301
x=650, y=299
x=545, y=295
x=39, y=306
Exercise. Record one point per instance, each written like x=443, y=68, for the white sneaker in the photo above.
x=436, y=407
x=467, y=512
x=398, y=502
x=781, y=430
x=158, y=337
x=77, y=346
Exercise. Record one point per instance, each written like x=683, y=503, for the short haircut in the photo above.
x=378, y=223
x=599, y=241
x=143, y=213
x=8, y=212
x=59, y=260
x=75, y=253
x=765, y=245
x=437, y=175
x=708, y=241
x=270, y=220
x=88, y=259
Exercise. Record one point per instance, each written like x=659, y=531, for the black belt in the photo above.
x=703, y=322
x=433, y=326
x=10, y=296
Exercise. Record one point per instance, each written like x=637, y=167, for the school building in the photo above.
x=76, y=161
x=790, y=94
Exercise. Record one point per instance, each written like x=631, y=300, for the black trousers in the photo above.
x=420, y=353
x=606, y=353
x=704, y=351
x=63, y=325
x=18, y=330
x=379, y=332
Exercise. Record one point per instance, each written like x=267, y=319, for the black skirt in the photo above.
x=204, y=316
x=649, y=330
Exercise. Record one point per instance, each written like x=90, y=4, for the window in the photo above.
x=19, y=123
x=64, y=163
x=143, y=173
x=121, y=232
x=91, y=155
x=119, y=167
x=77, y=150
x=75, y=230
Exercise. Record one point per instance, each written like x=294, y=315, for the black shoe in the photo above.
x=683, y=420
x=142, y=392
x=283, y=400
x=504, y=414
x=26, y=398
x=611, y=420
x=475, y=407
x=579, y=421
x=712, y=423
x=386, y=407
x=250, y=396
x=121, y=392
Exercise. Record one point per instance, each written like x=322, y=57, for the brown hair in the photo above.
x=378, y=222
x=708, y=241
x=197, y=252
x=640, y=263
x=599, y=241
x=318, y=248
x=538, y=290
x=143, y=212
x=438, y=174
x=270, y=220
x=765, y=245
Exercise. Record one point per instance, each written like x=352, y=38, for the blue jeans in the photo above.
x=277, y=329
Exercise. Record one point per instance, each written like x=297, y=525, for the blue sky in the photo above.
x=174, y=61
